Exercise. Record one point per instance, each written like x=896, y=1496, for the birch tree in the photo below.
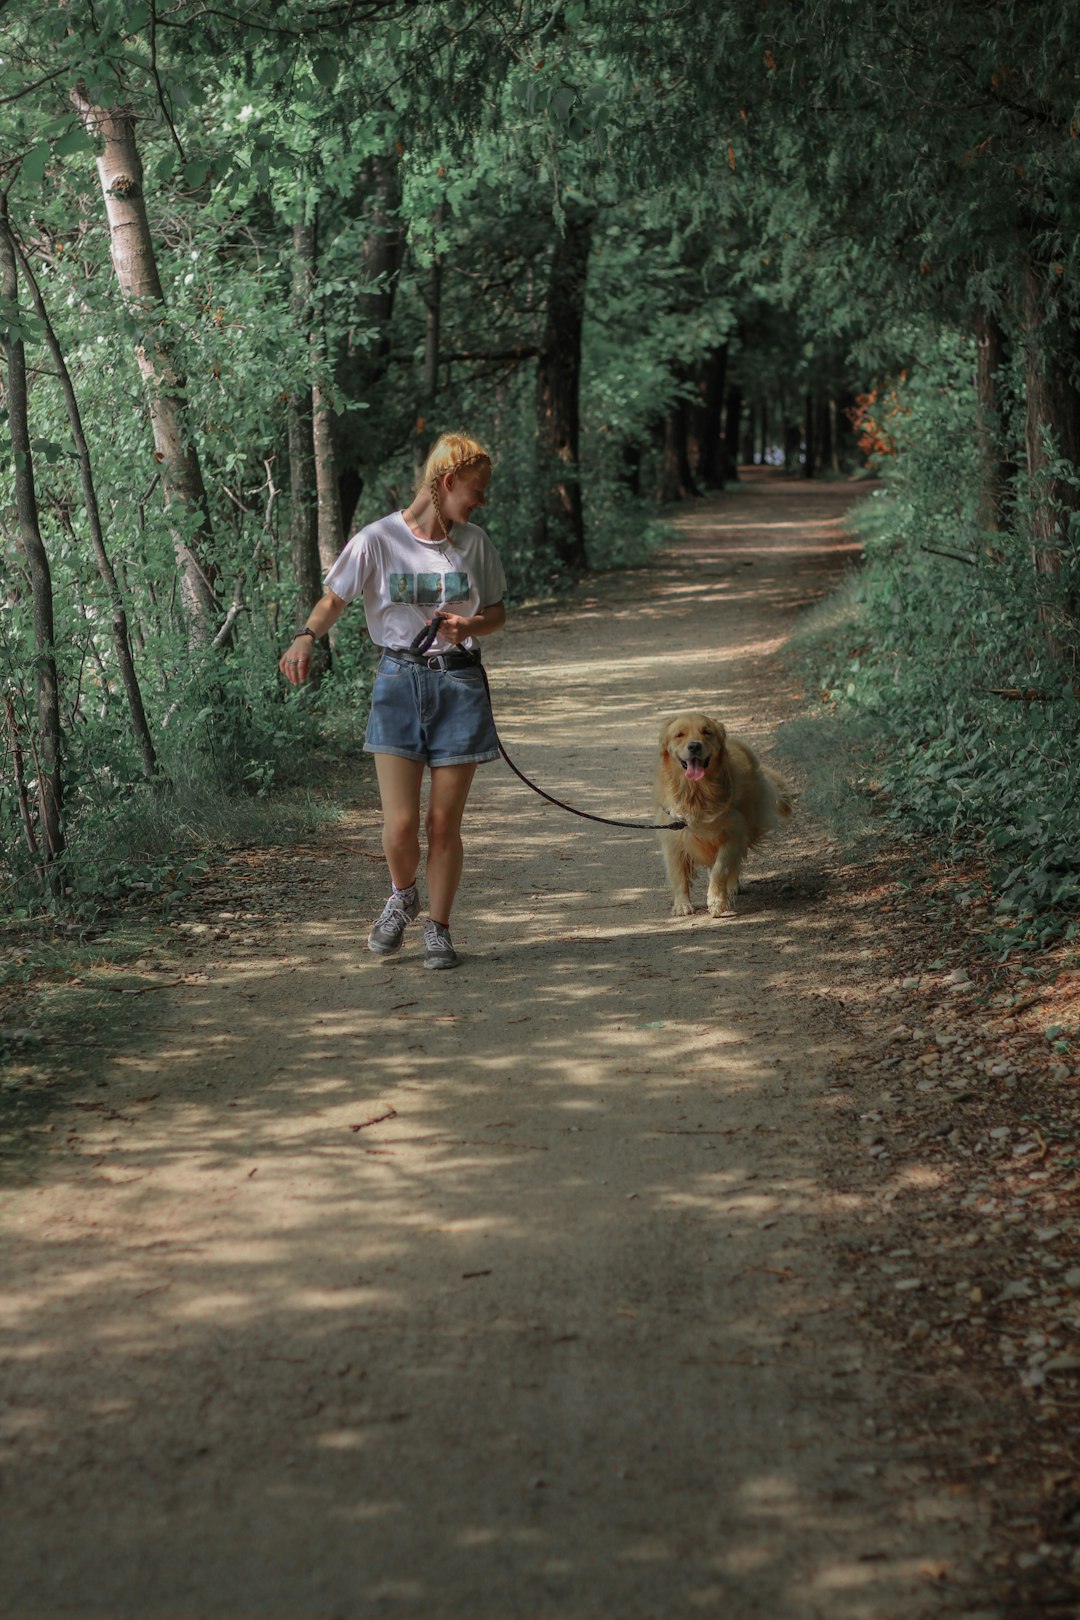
x=134, y=260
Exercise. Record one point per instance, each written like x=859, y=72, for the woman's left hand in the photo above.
x=456, y=629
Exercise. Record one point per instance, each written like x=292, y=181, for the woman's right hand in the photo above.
x=295, y=661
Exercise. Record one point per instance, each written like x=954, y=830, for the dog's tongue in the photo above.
x=694, y=770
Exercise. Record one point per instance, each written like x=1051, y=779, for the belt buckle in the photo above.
x=436, y=661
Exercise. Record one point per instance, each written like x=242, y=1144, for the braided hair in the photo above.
x=451, y=452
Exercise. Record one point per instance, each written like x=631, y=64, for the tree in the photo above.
x=47, y=746
x=121, y=638
x=135, y=263
x=558, y=380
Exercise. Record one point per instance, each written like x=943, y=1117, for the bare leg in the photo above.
x=399, y=790
x=450, y=786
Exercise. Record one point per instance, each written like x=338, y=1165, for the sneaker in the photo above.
x=389, y=931
x=439, y=950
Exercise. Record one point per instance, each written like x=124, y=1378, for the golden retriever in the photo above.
x=727, y=798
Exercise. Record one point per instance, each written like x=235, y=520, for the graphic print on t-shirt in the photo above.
x=430, y=589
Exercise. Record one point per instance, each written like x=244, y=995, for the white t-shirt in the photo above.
x=405, y=581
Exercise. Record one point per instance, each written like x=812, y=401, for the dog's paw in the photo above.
x=682, y=908
x=721, y=906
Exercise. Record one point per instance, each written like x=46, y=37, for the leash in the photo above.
x=420, y=644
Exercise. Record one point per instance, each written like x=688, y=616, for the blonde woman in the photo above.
x=427, y=709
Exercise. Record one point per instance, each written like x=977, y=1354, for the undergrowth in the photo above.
x=937, y=690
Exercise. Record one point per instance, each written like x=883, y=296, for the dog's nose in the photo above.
x=695, y=748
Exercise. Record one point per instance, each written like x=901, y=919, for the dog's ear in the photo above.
x=664, y=729
x=719, y=732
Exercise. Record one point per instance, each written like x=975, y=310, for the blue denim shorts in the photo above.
x=438, y=717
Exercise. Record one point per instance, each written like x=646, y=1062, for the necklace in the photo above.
x=439, y=540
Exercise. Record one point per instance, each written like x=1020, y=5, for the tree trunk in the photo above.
x=364, y=439
x=331, y=528
x=328, y=490
x=560, y=526
x=48, y=767
x=303, y=489
x=1053, y=438
x=826, y=442
x=672, y=486
x=686, y=465
x=121, y=639
x=429, y=386
x=763, y=429
x=809, y=466
x=303, y=509
x=792, y=442
x=732, y=420
x=746, y=437
x=996, y=470
x=630, y=468
x=847, y=447
x=711, y=459
x=120, y=170
x=679, y=482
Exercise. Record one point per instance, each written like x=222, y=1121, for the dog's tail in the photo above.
x=783, y=798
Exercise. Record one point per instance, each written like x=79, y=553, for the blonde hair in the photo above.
x=451, y=452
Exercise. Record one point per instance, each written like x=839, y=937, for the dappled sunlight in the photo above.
x=516, y=1274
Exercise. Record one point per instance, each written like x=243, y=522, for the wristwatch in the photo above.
x=307, y=631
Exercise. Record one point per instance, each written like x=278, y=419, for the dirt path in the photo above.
x=515, y=1293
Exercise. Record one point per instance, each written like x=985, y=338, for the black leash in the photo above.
x=423, y=641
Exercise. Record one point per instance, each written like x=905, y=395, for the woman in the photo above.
x=429, y=709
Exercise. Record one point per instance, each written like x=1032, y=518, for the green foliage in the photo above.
x=815, y=203
x=948, y=651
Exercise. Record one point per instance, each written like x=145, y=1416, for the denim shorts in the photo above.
x=435, y=716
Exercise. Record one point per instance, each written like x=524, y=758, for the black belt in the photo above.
x=460, y=659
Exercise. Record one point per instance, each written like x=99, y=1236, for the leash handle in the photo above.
x=423, y=638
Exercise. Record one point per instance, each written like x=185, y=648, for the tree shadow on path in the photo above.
x=363, y=1290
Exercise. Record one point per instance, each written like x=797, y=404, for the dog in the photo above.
x=727, y=798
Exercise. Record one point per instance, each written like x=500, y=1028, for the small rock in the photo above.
x=19, y=1037
x=959, y=976
x=1072, y=1278
x=908, y=1284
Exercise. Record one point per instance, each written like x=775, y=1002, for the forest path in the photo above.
x=512, y=1293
